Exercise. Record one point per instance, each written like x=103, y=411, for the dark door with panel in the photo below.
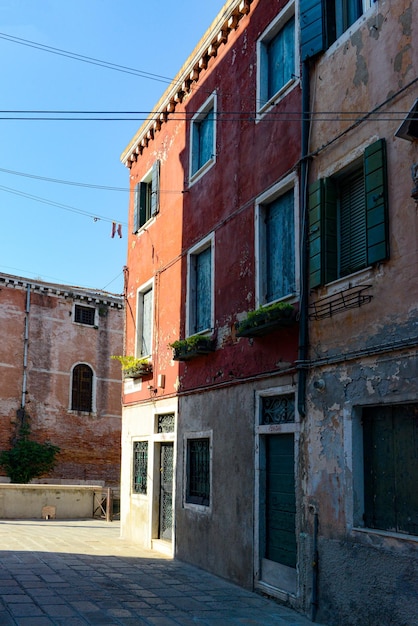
x=280, y=500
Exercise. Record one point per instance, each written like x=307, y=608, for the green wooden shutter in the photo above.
x=375, y=182
x=330, y=244
x=322, y=232
x=155, y=188
x=136, y=224
x=315, y=207
x=312, y=24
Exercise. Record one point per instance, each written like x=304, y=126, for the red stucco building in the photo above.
x=214, y=225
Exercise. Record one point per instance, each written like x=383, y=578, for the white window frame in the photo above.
x=198, y=508
x=209, y=104
x=289, y=182
x=144, y=288
x=207, y=242
x=289, y=11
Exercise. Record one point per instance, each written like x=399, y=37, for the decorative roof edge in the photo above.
x=91, y=296
x=226, y=21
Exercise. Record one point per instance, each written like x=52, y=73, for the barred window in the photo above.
x=84, y=315
x=198, y=471
x=82, y=388
x=140, y=469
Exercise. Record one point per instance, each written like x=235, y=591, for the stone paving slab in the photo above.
x=74, y=573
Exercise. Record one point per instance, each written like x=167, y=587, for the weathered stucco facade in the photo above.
x=362, y=332
x=274, y=173
x=224, y=158
x=55, y=361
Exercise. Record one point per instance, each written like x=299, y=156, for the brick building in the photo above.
x=55, y=349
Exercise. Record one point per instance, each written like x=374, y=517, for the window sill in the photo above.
x=385, y=533
x=282, y=93
x=201, y=172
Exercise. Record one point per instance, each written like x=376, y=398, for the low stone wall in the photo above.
x=49, y=501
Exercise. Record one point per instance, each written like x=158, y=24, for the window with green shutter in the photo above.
x=147, y=197
x=348, y=219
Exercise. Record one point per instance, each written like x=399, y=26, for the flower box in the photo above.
x=133, y=367
x=266, y=319
x=187, y=349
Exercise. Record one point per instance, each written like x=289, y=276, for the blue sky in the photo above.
x=48, y=228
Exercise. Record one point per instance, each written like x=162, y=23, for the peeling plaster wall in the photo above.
x=363, y=356
x=366, y=577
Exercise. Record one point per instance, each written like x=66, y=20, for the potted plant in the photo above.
x=186, y=349
x=133, y=367
x=266, y=319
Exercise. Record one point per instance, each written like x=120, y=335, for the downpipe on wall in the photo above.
x=303, y=306
x=25, y=348
x=304, y=303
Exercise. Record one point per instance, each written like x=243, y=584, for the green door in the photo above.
x=280, y=499
x=166, y=491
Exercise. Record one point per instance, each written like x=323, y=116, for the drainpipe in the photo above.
x=304, y=259
x=314, y=601
x=25, y=347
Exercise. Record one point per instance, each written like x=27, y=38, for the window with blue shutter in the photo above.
x=144, y=322
x=324, y=21
x=147, y=198
x=348, y=219
x=200, y=289
x=203, y=138
x=276, y=51
x=279, y=248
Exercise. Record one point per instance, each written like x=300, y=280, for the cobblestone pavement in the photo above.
x=80, y=572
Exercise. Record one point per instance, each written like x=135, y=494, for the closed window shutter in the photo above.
x=353, y=254
x=155, y=188
x=375, y=181
x=206, y=139
x=143, y=199
x=281, y=58
x=315, y=208
x=136, y=224
x=312, y=20
x=203, y=290
x=146, y=339
x=280, y=248
x=323, y=235
x=82, y=388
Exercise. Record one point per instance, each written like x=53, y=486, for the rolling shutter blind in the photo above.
x=353, y=254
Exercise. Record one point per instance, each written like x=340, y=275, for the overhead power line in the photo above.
x=64, y=182
x=95, y=216
x=85, y=59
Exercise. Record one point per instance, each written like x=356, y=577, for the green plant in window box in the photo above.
x=186, y=349
x=133, y=367
x=265, y=319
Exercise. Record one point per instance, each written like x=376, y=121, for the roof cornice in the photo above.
x=217, y=34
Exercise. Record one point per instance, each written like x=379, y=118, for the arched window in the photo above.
x=82, y=388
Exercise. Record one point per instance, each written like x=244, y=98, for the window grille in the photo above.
x=140, y=469
x=82, y=388
x=84, y=315
x=166, y=423
x=278, y=409
x=198, y=471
